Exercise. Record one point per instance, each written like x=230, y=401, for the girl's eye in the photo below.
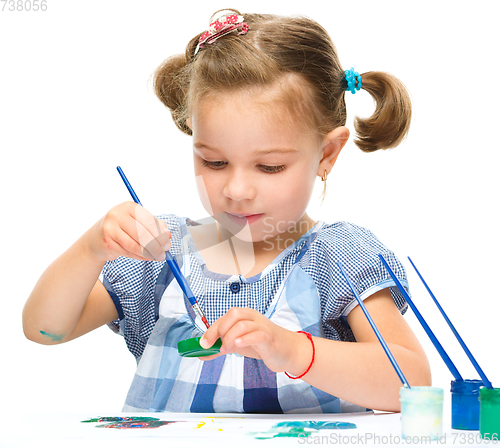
x=272, y=169
x=214, y=165
x=217, y=165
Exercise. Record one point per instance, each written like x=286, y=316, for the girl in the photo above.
x=263, y=98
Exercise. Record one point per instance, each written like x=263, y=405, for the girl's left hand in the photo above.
x=247, y=332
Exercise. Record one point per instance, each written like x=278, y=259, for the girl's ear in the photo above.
x=333, y=143
x=189, y=123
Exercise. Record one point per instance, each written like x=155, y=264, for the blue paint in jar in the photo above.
x=465, y=404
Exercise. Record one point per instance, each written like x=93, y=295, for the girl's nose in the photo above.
x=239, y=186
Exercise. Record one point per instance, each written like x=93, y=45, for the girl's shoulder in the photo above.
x=354, y=246
x=343, y=235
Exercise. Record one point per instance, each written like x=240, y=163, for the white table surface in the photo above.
x=65, y=429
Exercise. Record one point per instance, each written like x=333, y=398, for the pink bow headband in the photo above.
x=222, y=26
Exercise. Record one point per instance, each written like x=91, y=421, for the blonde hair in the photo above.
x=293, y=48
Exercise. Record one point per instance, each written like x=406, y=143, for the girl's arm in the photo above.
x=358, y=372
x=68, y=299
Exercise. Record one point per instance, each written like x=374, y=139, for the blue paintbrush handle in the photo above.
x=432, y=337
x=169, y=259
x=129, y=187
x=181, y=280
x=375, y=329
x=455, y=332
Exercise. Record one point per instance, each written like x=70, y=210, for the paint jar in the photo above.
x=421, y=412
x=489, y=413
x=465, y=404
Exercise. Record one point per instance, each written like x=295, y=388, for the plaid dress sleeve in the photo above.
x=131, y=284
x=357, y=249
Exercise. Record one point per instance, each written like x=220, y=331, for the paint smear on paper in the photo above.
x=118, y=419
x=300, y=429
x=138, y=424
x=212, y=423
x=129, y=422
x=201, y=424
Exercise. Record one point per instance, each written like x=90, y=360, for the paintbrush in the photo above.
x=375, y=329
x=184, y=285
x=432, y=337
x=455, y=332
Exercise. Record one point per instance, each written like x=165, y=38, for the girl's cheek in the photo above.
x=203, y=192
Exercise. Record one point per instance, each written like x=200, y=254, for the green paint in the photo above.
x=54, y=337
x=300, y=429
x=489, y=413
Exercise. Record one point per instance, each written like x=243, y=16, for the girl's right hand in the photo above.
x=129, y=230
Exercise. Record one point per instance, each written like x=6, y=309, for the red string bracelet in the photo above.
x=312, y=360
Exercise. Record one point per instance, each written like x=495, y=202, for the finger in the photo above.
x=235, y=315
x=119, y=247
x=211, y=335
x=222, y=325
x=156, y=228
x=237, y=332
x=164, y=235
x=253, y=338
x=133, y=247
x=247, y=345
x=141, y=241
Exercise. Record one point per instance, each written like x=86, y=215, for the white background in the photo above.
x=75, y=102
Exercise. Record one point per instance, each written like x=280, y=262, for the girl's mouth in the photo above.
x=244, y=219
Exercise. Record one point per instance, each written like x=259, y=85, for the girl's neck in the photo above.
x=224, y=253
x=263, y=252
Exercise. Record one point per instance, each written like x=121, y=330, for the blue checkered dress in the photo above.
x=302, y=289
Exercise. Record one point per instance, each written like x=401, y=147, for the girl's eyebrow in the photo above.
x=278, y=150
x=203, y=146
x=259, y=152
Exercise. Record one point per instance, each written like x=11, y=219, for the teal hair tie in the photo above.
x=354, y=80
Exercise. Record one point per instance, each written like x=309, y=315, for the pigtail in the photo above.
x=390, y=122
x=170, y=84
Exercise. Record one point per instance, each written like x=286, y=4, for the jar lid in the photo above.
x=491, y=395
x=466, y=386
x=191, y=348
x=421, y=394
